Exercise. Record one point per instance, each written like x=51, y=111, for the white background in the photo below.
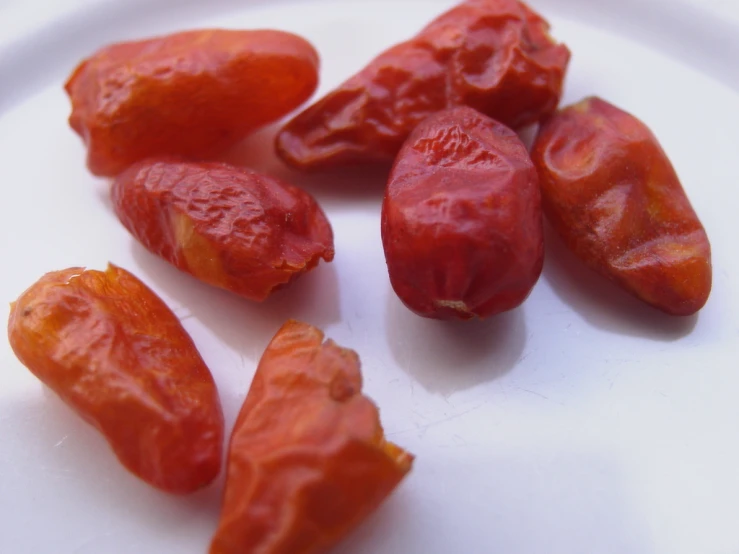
x=582, y=423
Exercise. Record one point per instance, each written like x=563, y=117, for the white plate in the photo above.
x=583, y=422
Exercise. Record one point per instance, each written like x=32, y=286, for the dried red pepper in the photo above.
x=308, y=460
x=115, y=353
x=230, y=227
x=461, y=218
x=613, y=196
x=190, y=94
x=493, y=55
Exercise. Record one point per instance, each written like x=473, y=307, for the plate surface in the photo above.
x=583, y=422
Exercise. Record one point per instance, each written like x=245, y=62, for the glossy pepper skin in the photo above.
x=191, y=94
x=118, y=356
x=308, y=460
x=461, y=218
x=493, y=55
x=611, y=193
x=230, y=227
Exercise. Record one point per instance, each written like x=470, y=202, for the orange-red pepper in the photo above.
x=461, y=219
x=230, y=227
x=493, y=55
x=308, y=460
x=191, y=94
x=613, y=196
x=115, y=353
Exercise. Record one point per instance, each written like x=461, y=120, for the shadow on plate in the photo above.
x=244, y=325
x=448, y=356
x=602, y=303
x=337, y=186
x=334, y=188
x=102, y=189
x=537, y=499
x=72, y=462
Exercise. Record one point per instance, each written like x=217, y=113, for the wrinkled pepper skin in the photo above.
x=230, y=227
x=118, y=356
x=493, y=55
x=611, y=193
x=461, y=218
x=308, y=460
x=191, y=94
